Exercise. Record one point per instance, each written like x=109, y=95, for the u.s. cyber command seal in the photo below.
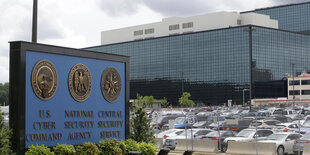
x=111, y=84
x=44, y=80
x=80, y=82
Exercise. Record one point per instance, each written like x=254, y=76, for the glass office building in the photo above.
x=292, y=17
x=214, y=65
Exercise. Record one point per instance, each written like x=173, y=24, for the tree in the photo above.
x=140, y=129
x=5, y=135
x=4, y=94
x=184, y=99
x=144, y=100
x=164, y=102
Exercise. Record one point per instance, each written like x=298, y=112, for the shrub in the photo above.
x=140, y=129
x=5, y=135
x=111, y=147
x=64, y=149
x=147, y=149
x=131, y=145
x=88, y=148
x=39, y=150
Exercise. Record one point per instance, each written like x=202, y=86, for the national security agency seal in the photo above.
x=44, y=80
x=80, y=82
x=111, y=84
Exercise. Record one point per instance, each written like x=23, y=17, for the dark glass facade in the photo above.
x=294, y=17
x=213, y=65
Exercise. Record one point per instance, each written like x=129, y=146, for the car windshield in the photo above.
x=188, y=133
x=256, y=123
x=214, y=134
x=306, y=123
x=245, y=133
x=179, y=120
x=280, y=126
x=277, y=137
x=157, y=120
x=199, y=123
x=280, y=112
x=272, y=122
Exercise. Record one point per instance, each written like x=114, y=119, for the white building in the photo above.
x=300, y=87
x=181, y=25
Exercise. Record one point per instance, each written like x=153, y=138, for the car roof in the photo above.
x=286, y=124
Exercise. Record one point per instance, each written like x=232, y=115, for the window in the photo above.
x=174, y=27
x=305, y=82
x=267, y=133
x=295, y=82
x=305, y=92
x=138, y=32
x=149, y=31
x=296, y=92
x=239, y=22
x=188, y=25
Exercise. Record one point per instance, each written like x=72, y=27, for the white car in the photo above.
x=284, y=141
x=247, y=135
x=167, y=133
x=172, y=141
x=286, y=127
x=264, y=124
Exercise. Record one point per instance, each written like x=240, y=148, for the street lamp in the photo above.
x=293, y=74
x=250, y=30
x=243, y=94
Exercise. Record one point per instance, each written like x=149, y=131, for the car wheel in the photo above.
x=224, y=148
x=280, y=150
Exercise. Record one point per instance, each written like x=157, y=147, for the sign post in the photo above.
x=66, y=96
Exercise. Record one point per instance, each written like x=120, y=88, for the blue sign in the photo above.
x=64, y=120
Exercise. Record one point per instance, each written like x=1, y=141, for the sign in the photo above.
x=66, y=96
x=191, y=120
x=229, y=103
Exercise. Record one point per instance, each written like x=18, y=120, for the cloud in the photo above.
x=119, y=7
x=194, y=7
x=4, y=69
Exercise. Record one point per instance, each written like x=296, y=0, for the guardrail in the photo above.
x=248, y=148
x=210, y=146
x=306, y=149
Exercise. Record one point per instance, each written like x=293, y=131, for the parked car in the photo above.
x=286, y=112
x=167, y=133
x=220, y=137
x=160, y=121
x=201, y=133
x=202, y=124
x=286, y=127
x=264, y=124
x=299, y=144
x=282, y=118
x=172, y=141
x=247, y=135
x=236, y=124
x=182, y=122
x=284, y=141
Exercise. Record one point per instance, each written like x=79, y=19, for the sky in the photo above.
x=78, y=23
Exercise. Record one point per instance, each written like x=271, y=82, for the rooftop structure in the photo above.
x=182, y=25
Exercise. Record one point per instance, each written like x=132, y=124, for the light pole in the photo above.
x=250, y=30
x=243, y=95
x=34, y=21
x=293, y=84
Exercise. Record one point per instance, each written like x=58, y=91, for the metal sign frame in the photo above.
x=17, y=88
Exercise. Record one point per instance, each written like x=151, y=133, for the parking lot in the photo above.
x=230, y=130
